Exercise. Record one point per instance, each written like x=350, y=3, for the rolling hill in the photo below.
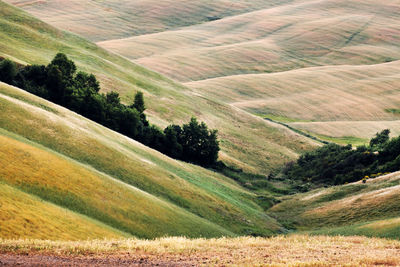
x=30, y=41
x=53, y=154
x=62, y=163
x=105, y=20
x=370, y=209
x=329, y=68
x=318, y=61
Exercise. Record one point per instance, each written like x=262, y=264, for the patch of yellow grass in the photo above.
x=28, y=217
x=36, y=170
x=295, y=250
x=383, y=225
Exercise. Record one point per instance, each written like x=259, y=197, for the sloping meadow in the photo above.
x=70, y=161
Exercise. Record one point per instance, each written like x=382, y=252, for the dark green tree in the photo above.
x=60, y=76
x=8, y=71
x=138, y=103
x=56, y=85
x=65, y=65
x=173, y=147
x=113, y=99
x=380, y=139
x=199, y=144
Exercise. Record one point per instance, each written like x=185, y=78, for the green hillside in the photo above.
x=58, y=156
x=370, y=209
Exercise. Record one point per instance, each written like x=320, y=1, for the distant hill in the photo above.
x=308, y=63
x=111, y=19
x=304, y=61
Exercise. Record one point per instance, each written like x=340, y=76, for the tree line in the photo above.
x=333, y=164
x=60, y=83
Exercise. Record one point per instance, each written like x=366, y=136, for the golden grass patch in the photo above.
x=73, y=186
x=28, y=217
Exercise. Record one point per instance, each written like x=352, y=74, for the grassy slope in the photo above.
x=28, y=40
x=25, y=216
x=104, y=20
x=52, y=178
x=305, y=60
x=206, y=199
x=369, y=209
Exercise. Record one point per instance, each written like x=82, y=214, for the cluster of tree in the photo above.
x=333, y=164
x=60, y=83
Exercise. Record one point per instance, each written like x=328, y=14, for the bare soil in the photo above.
x=126, y=259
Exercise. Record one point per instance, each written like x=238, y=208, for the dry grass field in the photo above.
x=296, y=250
x=105, y=20
x=319, y=61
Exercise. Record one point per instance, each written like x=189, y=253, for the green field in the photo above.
x=353, y=209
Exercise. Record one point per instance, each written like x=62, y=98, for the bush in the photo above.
x=335, y=164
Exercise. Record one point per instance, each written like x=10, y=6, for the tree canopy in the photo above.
x=80, y=92
x=334, y=164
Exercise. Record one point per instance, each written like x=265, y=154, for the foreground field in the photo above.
x=296, y=250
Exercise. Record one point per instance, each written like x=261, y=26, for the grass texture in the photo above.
x=369, y=208
x=72, y=162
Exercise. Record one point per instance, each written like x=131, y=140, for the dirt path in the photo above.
x=94, y=260
x=294, y=250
